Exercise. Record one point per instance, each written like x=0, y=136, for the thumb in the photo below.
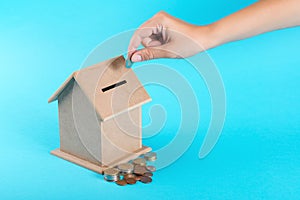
x=152, y=53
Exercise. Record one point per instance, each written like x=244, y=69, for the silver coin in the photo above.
x=125, y=168
x=151, y=168
x=111, y=171
x=111, y=178
x=150, y=156
x=139, y=167
x=111, y=174
x=139, y=161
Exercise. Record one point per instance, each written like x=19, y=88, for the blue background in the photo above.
x=258, y=153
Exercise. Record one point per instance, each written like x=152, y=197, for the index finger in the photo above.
x=144, y=31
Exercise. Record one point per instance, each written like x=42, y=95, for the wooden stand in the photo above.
x=94, y=167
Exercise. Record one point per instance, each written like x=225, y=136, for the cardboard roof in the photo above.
x=110, y=86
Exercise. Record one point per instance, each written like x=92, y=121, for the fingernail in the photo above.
x=136, y=58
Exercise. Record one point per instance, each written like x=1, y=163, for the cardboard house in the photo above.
x=100, y=115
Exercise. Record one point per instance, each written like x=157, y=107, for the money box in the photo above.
x=99, y=111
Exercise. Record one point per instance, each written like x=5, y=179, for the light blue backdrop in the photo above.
x=257, y=156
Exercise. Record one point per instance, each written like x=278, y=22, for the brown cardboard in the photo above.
x=100, y=115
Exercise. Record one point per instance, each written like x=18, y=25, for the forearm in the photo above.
x=260, y=17
x=164, y=36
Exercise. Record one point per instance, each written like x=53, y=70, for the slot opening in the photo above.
x=114, y=86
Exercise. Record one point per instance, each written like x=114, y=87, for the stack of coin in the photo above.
x=138, y=170
x=125, y=168
x=139, y=161
x=111, y=174
x=143, y=174
x=150, y=156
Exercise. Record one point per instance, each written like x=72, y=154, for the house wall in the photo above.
x=79, y=128
x=121, y=135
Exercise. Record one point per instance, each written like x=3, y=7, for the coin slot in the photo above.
x=114, y=86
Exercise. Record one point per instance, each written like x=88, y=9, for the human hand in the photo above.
x=164, y=36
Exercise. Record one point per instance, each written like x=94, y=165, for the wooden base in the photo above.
x=95, y=167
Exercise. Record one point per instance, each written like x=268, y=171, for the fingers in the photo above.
x=154, y=43
x=146, y=41
x=149, y=53
x=138, y=38
x=151, y=34
x=150, y=27
x=149, y=42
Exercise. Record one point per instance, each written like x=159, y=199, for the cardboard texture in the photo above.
x=100, y=115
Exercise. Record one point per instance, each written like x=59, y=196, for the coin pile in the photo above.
x=131, y=172
x=125, y=168
x=111, y=174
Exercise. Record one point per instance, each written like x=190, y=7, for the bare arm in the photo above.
x=260, y=17
x=164, y=36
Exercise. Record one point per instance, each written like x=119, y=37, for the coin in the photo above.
x=151, y=168
x=128, y=63
x=121, y=182
x=139, y=167
x=111, y=174
x=138, y=177
x=139, y=170
x=131, y=181
x=129, y=176
x=146, y=179
x=125, y=168
x=139, y=161
x=148, y=174
x=111, y=171
x=150, y=156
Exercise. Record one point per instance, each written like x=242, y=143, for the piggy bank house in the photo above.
x=100, y=115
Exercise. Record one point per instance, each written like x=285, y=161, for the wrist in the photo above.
x=206, y=36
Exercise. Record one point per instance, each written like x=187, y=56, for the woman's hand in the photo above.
x=164, y=36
